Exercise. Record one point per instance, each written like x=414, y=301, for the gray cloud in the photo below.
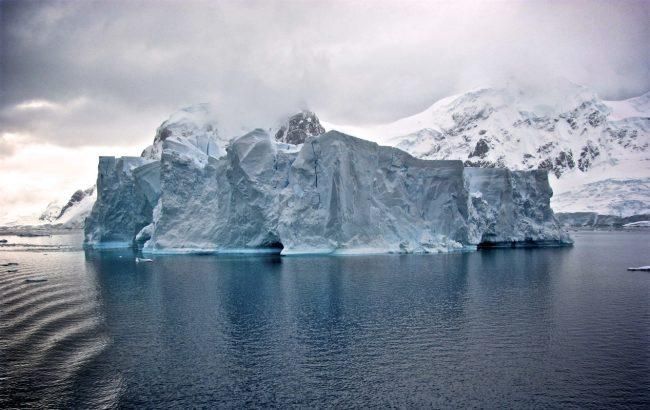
x=112, y=71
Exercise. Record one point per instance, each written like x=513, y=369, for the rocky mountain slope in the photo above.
x=73, y=212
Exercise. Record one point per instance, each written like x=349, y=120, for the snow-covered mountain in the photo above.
x=620, y=197
x=72, y=214
x=64, y=213
x=564, y=128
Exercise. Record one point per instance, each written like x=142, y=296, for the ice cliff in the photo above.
x=122, y=209
x=332, y=193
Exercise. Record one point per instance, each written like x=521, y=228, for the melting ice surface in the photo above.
x=551, y=327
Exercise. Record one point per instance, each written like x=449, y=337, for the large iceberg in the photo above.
x=331, y=193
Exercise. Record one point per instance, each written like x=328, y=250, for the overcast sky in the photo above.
x=80, y=78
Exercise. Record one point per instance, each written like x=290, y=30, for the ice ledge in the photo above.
x=526, y=244
x=297, y=252
x=108, y=245
x=324, y=251
x=211, y=251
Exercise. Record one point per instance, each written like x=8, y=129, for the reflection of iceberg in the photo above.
x=332, y=194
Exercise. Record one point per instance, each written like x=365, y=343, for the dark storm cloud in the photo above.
x=75, y=73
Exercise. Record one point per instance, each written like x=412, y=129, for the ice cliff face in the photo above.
x=122, y=208
x=347, y=194
x=228, y=203
x=511, y=206
x=334, y=193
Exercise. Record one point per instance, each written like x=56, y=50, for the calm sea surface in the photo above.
x=500, y=328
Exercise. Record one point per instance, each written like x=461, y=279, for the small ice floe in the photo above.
x=36, y=279
x=638, y=224
x=138, y=260
x=643, y=268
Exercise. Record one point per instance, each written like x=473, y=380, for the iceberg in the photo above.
x=313, y=192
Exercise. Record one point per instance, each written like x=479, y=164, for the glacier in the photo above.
x=300, y=190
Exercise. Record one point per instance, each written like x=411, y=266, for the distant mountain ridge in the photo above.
x=72, y=214
x=592, y=220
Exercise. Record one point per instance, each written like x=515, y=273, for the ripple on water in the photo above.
x=50, y=332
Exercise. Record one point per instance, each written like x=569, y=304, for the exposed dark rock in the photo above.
x=546, y=148
x=588, y=153
x=539, y=123
x=572, y=123
x=596, y=118
x=468, y=119
x=299, y=127
x=479, y=164
x=565, y=160
x=559, y=164
x=76, y=198
x=481, y=149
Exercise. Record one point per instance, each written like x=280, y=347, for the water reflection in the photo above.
x=530, y=327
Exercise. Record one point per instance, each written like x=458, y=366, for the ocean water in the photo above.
x=558, y=327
